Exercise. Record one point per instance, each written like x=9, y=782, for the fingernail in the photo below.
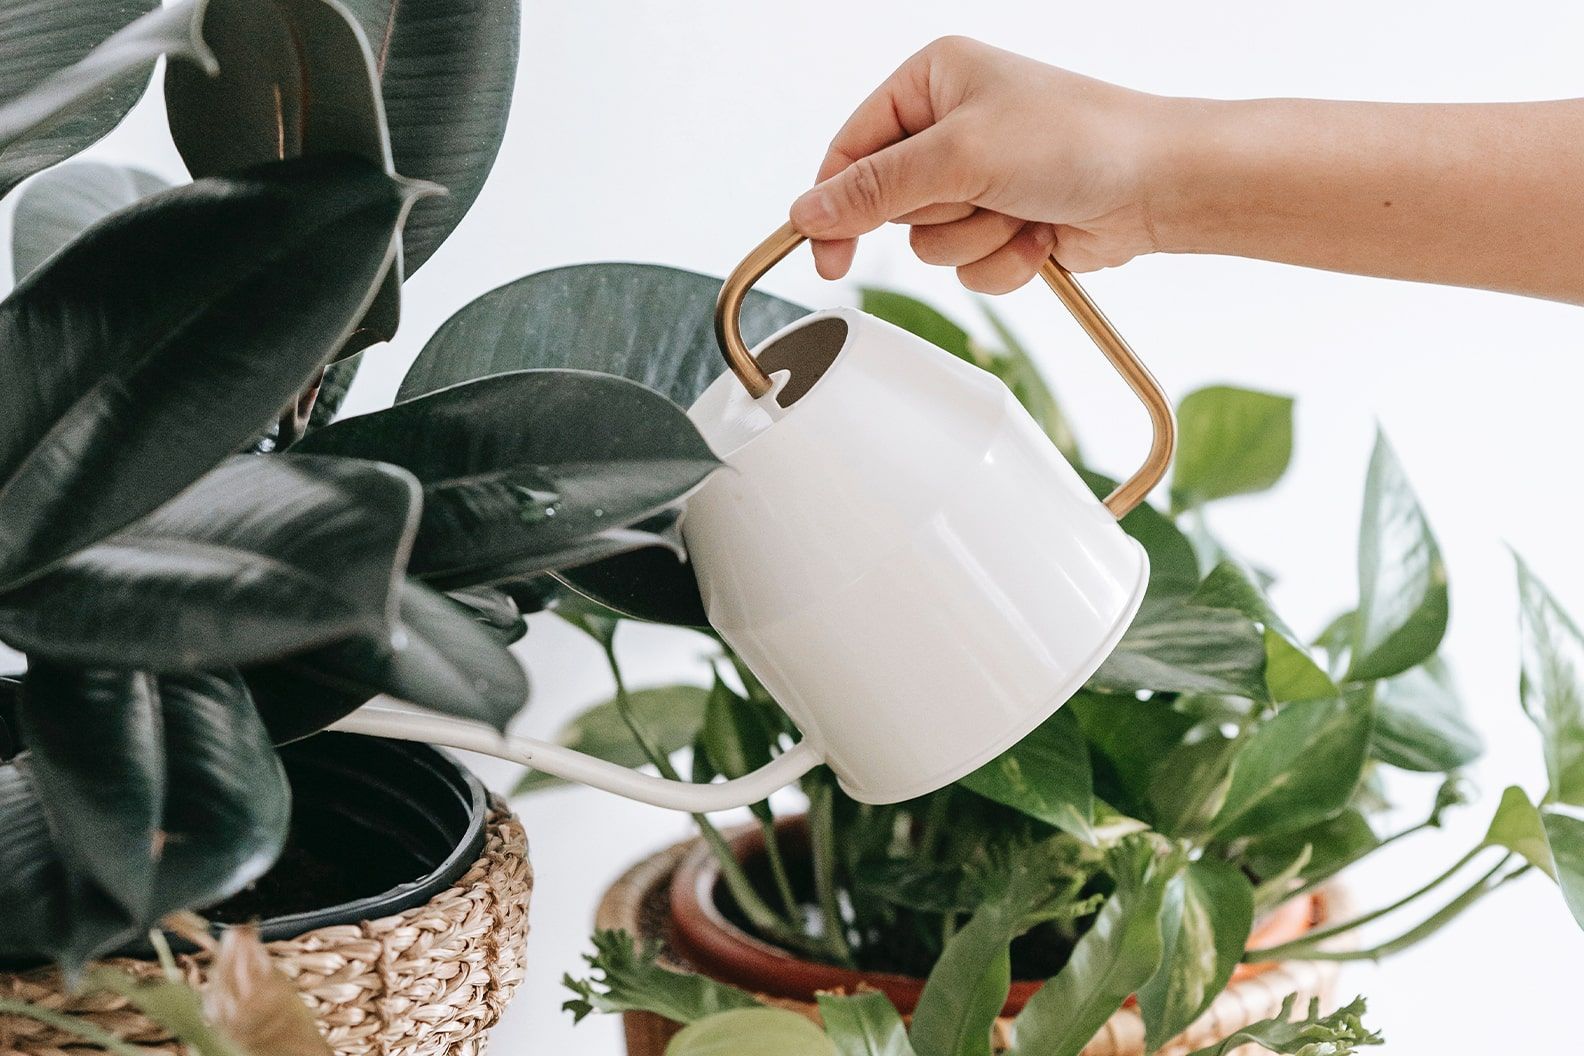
x=812, y=213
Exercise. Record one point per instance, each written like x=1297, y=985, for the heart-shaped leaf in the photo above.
x=296, y=79
x=1551, y=685
x=1290, y=672
x=529, y=471
x=1205, y=919
x=1174, y=646
x=134, y=361
x=1420, y=722
x=1402, y=610
x=63, y=203
x=1045, y=775
x=53, y=103
x=446, y=72
x=263, y=557
x=1299, y=767
x=438, y=657
x=96, y=759
x=1230, y=441
x=645, y=322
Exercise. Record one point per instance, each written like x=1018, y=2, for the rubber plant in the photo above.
x=193, y=571
x=1217, y=765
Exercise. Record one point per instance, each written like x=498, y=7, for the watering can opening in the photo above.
x=805, y=353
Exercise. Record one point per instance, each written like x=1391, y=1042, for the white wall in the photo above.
x=679, y=131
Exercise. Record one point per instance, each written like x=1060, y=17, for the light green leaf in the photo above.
x=1338, y=1034
x=921, y=320
x=1402, y=610
x=761, y=1031
x=64, y=202
x=1046, y=776
x=1205, y=920
x=1118, y=954
x=1230, y=441
x=1517, y=826
x=1551, y=685
x=1297, y=768
x=624, y=978
x=1565, y=836
x=174, y=1006
x=672, y=716
x=1175, y=646
x=1420, y=723
x=864, y=1024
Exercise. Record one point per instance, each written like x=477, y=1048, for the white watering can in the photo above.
x=896, y=551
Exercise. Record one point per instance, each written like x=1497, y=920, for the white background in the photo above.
x=678, y=132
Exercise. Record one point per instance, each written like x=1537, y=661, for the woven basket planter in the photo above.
x=639, y=903
x=428, y=980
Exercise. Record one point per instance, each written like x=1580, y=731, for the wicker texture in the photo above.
x=635, y=903
x=426, y=982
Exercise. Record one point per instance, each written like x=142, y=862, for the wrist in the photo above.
x=1180, y=187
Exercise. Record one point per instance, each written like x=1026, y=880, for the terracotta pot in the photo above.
x=671, y=897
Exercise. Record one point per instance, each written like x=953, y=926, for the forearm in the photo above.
x=1474, y=195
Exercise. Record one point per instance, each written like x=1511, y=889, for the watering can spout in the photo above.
x=384, y=717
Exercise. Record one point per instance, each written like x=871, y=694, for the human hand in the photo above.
x=996, y=161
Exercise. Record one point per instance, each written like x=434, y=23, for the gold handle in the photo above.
x=1128, y=494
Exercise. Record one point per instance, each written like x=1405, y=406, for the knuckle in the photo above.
x=926, y=244
x=866, y=188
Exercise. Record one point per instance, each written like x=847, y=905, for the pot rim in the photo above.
x=708, y=940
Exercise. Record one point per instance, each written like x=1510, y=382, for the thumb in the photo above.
x=882, y=186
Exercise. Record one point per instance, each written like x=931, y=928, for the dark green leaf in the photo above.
x=96, y=759
x=1205, y=920
x=1230, y=441
x=58, y=94
x=1174, y=569
x=1117, y=955
x=762, y=1031
x=1337, y=1034
x=1551, y=685
x=437, y=656
x=1132, y=736
x=1402, y=611
x=644, y=322
x=227, y=805
x=494, y=610
x=1046, y=776
x=63, y=203
x=1420, y=722
x=624, y=978
x=333, y=389
x=529, y=471
x=1174, y=646
x=1325, y=847
x=864, y=1024
x=1290, y=672
x=735, y=737
x=296, y=79
x=1190, y=786
x=1298, y=768
x=263, y=557
x=672, y=716
x=446, y=70
x=135, y=359
x=652, y=584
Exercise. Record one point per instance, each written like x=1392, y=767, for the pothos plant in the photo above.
x=1218, y=764
x=193, y=570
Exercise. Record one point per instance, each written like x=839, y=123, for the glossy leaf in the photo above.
x=1230, y=441
x=1324, y=847
x=263, y=557
x=1297, y=768
x=626, y=978
x=1131, y=738
x=762, y=1031
x=1206, y=916
x=1046, y=776
x=1565, y=836
x=333, y=390
x=494, y=610
x=96, y=759
x=529, y=471
x=652, y=584
x=1290, y=672
x=61, y=204
x=1190, y=785
x=134, y=359
x=1118, y=954
x=1420, y=722
x=58, y=94
x=863, y=1024
x=1174, y=568
x=1551, y=685
x=446, y=70
x=672, y=716
x=437, y=656
x=1340, y=1033
x=1175, y=646
x=1402, y=610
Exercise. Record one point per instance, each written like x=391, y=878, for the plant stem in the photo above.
x=1332, y=870
x=82, y=1028
x=162, y=950
x=1487, y=883
x=778, y=869
x=822, y=845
